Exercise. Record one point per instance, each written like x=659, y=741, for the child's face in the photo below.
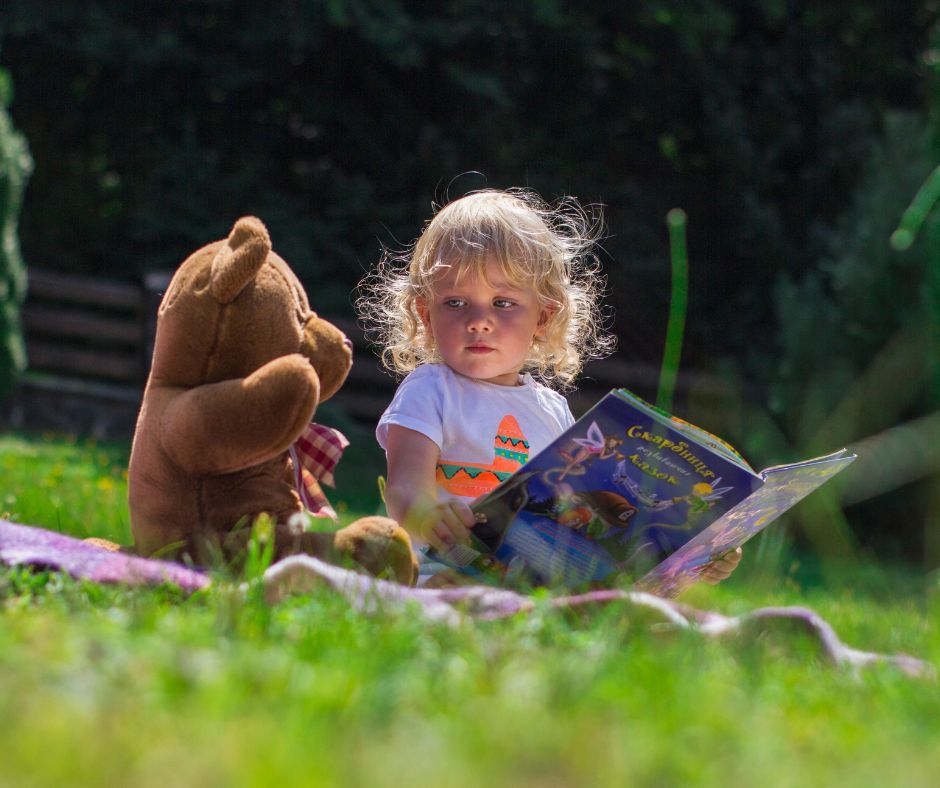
x=482, y=330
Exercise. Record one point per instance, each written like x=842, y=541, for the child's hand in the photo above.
x=447, y=524
x=719, y=569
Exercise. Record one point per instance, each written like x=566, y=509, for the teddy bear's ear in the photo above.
x=239, y=259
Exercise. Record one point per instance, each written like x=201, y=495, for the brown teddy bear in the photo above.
x=239, y=366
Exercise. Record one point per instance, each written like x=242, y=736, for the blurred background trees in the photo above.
x=793, y=134
x=15, y=167
x=340, y=122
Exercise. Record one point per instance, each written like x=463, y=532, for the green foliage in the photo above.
x=853, y=355
x=340, y=121
x=77, y=487
x=15, y=167
x=834, y=321
x=260, y=547
x=113, y=685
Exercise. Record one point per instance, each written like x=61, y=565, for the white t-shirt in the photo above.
x=485, y=431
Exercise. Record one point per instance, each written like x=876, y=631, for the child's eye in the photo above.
x=503, y=303
x=454, y=303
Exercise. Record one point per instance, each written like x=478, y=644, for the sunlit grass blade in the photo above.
x=678, y=306
x=920, y=207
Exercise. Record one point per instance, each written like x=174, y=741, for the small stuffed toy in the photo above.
x=239, y=366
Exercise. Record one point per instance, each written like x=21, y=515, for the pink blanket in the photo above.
x=20, y=544
x=23, y=544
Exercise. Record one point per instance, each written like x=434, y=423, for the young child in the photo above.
x=494, y=307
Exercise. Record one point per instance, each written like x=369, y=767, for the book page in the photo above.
x=617, y=492
x=784, y=487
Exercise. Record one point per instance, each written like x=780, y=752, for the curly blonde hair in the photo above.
x=548, y=247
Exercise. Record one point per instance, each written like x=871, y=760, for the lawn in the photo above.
x=110, y=685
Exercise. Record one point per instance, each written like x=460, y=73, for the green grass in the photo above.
x=108, y=685
x=78, y=488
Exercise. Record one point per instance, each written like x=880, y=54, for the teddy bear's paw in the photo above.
x=380, y=546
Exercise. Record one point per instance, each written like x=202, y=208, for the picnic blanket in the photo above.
x=21, y=544
x=24, y=544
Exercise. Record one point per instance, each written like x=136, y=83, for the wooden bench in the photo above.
x=89, y=342
x=86, y=348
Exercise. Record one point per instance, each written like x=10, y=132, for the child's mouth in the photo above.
x=479, y=349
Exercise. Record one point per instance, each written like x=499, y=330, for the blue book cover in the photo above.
x=629, y=489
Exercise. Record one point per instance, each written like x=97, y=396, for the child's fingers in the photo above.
x=448, y=525
x=459, y=518
x=467, y=516
x=712, y=575
x=453, y=519
x=732, y=558
x=721, y=568
x=439, y=538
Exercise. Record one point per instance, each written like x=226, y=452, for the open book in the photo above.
x=629, y=489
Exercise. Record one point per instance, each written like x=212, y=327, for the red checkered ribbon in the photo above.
x=315, y=453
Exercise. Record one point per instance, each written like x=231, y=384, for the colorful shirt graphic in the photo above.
x=484, y=432
x=510, y=452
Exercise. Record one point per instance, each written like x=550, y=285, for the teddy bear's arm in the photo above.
x=224, y=427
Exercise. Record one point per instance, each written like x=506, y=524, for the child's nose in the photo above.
x=479, y=320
